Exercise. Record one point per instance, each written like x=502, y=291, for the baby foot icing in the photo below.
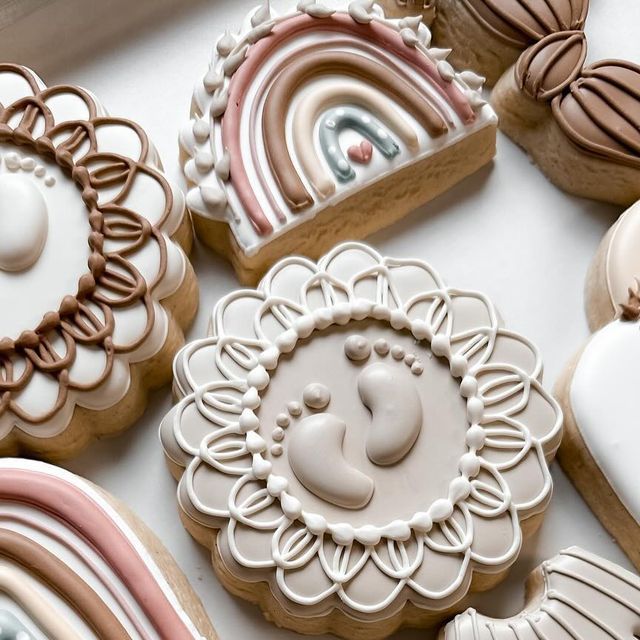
x=396, y=411
x=317, y=459
x=361, y=435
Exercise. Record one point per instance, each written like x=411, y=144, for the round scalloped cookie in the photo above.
x=95, y=288
x=578, y=115
x=574, y=596
x=488, y=36
x=359, y=445
x=75, y=564
x=321, y=125
x=598, y=390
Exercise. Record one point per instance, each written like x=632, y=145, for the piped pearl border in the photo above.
x=341, y=314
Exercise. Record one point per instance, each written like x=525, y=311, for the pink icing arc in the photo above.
x=259, y=52
x=73, y=507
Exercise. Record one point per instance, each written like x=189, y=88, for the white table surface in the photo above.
x=506, y=231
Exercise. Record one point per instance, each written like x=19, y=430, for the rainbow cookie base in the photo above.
x=279, y=123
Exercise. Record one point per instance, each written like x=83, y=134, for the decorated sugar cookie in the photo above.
x=574, y=596
x=94, y=286
x=489, y=35
x=614, y=272
x=599, y=389
x=76, y=565
x=322, y=125
x=355, y=436
x=580, y=123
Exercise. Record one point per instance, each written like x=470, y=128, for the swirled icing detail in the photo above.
x=59, y=534
x=93, y=249
x=583, y=597
x=285, y=515
x=523, y=22
x=267, y=187
x=601, y=111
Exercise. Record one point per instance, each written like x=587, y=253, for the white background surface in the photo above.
x=506, y=231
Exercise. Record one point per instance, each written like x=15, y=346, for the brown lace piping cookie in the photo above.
x=90, y=276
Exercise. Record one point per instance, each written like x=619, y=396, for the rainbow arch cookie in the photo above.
x=320, y=125
x=76, y=565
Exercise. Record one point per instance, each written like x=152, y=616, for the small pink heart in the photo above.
x=361, y=152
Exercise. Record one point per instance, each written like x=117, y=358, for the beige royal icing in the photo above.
x=361, y=434
x=583, y=597
x=85, y=253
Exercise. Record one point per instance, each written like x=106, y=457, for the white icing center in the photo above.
x=44, y=229
x=23, y=222
x=604, y=394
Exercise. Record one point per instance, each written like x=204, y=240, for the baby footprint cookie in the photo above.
x=95, y=288
x=355, y=436
x=75, y=564
x=599, y=389
x=574, y=596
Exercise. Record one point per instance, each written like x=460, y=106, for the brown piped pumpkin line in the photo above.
x=521, y=23
x=596, y=107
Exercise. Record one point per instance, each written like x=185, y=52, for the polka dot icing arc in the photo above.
x=442, y=467
x=73, y=568
x=574, y=596
x=87, y=260
x=378, y=97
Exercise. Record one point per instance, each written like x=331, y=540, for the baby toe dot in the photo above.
x=283, y=420
x=409, y=359
x=40, y=171
x=417, y=368
x=381, y=347
x=278, y=434
x=316, y=395
x=397, y=352
x=49, y=181
x=27, y=164
x=294, y=408
x=276, y=450
x=357, y=348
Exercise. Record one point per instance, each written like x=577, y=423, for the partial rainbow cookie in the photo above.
x=77, y=565
x=599, y=389
x=489, y=35
x=360, y=445
x=95, y=288
x=574, y=596
x=325, y=124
